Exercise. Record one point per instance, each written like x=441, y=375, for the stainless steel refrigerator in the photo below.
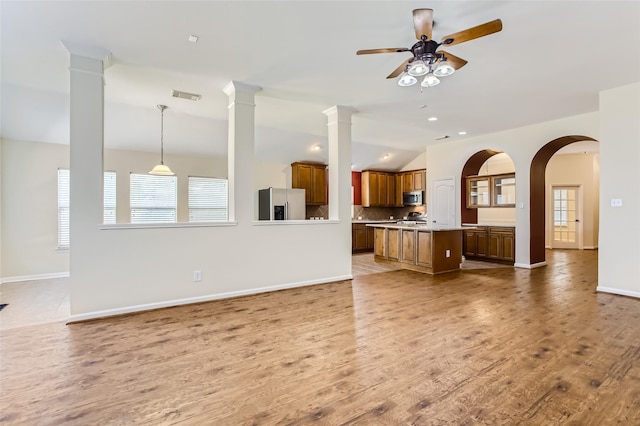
x=281, y=204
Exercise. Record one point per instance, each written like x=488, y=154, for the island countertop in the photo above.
x=421, y=226
x=422, y=247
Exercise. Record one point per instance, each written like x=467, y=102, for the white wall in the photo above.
x=619, y=246
x=125, y=269
x=30, y=210
x=448, y=158
x=29, y=198
x=581, y=170
x=420, y=162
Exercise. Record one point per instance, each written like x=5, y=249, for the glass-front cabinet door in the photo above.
x=478, y=192
x=504, y=190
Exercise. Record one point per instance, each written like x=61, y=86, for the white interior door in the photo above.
x=566, y=229
x=442, y=211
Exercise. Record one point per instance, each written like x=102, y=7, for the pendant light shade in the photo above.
x=162, y=169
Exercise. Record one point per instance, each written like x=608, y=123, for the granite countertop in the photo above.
x=373, y=221
x=494, y=224
x=418, y=225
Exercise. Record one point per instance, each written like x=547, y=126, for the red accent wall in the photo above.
x=356, y=182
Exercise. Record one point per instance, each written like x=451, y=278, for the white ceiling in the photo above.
x=550, y=61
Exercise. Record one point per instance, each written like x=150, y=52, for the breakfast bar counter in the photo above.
x=418, y=246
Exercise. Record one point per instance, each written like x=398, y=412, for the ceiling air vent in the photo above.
x=185, y=95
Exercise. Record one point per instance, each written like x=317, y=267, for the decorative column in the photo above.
x=87, y=65
x=241, y=150
x=339, y=134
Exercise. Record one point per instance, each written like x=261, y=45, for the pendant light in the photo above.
x=161, y=169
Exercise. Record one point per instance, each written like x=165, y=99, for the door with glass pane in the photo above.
x=567, y=232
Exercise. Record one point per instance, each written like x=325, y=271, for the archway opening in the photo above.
x=537, y=191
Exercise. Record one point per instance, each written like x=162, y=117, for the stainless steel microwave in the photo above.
x=413, y=198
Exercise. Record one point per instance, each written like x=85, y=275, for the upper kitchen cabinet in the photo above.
x=478, y=191
x=378, y=189
x=491, y=191
x=312, y=177
x=504, y=190
x=414, y=180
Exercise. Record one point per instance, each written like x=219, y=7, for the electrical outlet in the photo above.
x=447, y=253
x=197, y=276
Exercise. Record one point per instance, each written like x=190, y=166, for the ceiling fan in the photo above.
x=427, y=60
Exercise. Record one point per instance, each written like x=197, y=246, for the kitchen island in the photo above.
x=418, y=246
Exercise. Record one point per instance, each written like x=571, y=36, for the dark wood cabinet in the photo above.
x=378, y=189
x=384, y=189
x=490, y=243
x=361, y=237
x=312, y=177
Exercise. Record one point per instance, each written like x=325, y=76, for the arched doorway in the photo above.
x=537, y=206
x=471, y=168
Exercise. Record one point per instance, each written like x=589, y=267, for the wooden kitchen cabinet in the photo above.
x=312, y=177
x=362, y=238
x=378, y=189
x=494, y=243
x=501, y=244
x=491, y=191
x=478, y=192
x=414, y=180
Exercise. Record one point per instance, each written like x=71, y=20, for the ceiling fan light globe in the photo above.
x=407, y=80
x=430, y=80
x=418, y=68
x=443, y=69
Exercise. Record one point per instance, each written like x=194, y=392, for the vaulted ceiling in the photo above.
x=550, y=61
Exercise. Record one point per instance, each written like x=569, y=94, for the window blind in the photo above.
x=208, y=199
x=64, y=191
x=153, y=199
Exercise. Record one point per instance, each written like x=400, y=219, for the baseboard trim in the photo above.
x=590, y=248
x=178, y=302
x=618, y=291
x=34, y=277
x=530, y=266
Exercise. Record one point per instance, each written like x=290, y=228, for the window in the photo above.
x=153, y=199
x=208, y=199
x=64, y=203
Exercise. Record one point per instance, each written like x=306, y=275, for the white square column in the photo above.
x=87, y=65
x=241, y=147
x=339, y=135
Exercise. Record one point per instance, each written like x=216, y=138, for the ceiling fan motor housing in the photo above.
x=425, y=50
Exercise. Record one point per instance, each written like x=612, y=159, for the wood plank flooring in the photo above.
x=492, y=346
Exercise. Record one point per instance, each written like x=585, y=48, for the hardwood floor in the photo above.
x=491, y=346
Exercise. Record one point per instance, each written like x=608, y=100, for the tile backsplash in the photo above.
x=366, y=213
x=382, y=213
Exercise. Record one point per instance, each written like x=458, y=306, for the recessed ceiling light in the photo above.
x=385, y=157
x=193, y=38
x=316, y=147
x=462, y=132
x=432, y=118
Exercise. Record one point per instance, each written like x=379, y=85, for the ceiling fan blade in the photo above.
x=386, y=50
x=455, y=62
x=423, y=22
x=400, y=69
x=473, y=33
